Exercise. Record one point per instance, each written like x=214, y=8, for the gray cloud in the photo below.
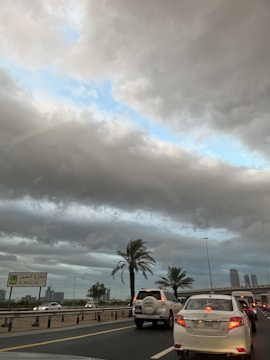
x=76, y=186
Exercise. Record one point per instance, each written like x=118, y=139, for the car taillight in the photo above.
x=134, y=299
x=235, y=322
x=250, y=309
x=179, y=319
x=162, y=299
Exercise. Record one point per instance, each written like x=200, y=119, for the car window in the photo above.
x=213, y=304
x=170, y=296
x=144, y=294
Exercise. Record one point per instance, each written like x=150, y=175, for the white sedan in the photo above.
x=53, y=305
x=212, y=324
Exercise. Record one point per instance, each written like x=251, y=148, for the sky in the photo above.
x=124, y=120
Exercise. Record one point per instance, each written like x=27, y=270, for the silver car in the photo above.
x=53, y=305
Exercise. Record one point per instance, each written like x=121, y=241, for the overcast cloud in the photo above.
x=123, y=120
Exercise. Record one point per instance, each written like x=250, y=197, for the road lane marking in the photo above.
x=162, y=353
x=65, y=339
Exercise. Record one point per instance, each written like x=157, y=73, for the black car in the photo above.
x=247, y=308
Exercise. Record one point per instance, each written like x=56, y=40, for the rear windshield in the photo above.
x=144, y=294
x=248, y=298
x=214, y=304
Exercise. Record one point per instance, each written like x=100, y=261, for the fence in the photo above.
x=19, y=321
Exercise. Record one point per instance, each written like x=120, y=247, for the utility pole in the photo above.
x=209, y=269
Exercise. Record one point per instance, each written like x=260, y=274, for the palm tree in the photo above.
x=175, y=278
x=136, y=258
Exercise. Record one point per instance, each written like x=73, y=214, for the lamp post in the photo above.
x=209, y=269
x=74, y=289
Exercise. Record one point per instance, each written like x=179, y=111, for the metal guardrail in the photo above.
x=76, y=316
x=224, y=290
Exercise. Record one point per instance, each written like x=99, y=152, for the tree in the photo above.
x=175, y=278
x=136, y=258
x=96, y=291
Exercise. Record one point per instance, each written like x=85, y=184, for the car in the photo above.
x=212, y=324
x=247, y=308
x=90, y=304
x=53, y=305
x=248, y=295
x=155, y=305
x=264, y=307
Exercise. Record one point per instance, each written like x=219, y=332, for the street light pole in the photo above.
x=74, y=289
x=209, y=269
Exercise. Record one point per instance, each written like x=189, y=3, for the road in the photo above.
x=120, y=341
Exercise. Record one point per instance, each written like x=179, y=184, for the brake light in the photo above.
x=208, y=308
x=235, y=322
x=179, y=319
x=250, y=309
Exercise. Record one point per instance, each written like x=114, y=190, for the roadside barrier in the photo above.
x=18, y=321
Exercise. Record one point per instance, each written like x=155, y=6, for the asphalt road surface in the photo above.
x=120, y=341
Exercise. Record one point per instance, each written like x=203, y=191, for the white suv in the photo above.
x=155, y=305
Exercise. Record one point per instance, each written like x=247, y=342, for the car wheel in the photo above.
x=169, y=322
x=154, y=322
x=182, y=355
x=139, y=323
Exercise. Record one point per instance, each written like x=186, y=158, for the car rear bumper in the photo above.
x=212, y=344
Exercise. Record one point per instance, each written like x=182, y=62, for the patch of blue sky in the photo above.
x=228, y=149
x=85, y=94
x=70, y=34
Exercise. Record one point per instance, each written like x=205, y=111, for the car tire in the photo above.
x=139, y=323
x=182, y=355
x=170, y=322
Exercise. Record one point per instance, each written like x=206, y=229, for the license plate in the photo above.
x=204, y=324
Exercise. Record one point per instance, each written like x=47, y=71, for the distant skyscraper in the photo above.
x=234, y=277
x=254, y=279
x=247, y=280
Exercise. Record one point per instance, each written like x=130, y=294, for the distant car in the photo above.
x=264, y=307
x=53, y=305
x=212, y=324
x=248, y=295
x=154, y=305
x=247, y=308
x=90, y=304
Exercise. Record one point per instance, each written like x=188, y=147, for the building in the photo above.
x=234, y=277
x=254, y=281
x=58, y=296
x=2, y=295
x=28, y=299
x=51, y=295
x=107, y=295
x=246, y=280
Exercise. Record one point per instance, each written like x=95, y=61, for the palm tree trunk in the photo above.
x=132, y=284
